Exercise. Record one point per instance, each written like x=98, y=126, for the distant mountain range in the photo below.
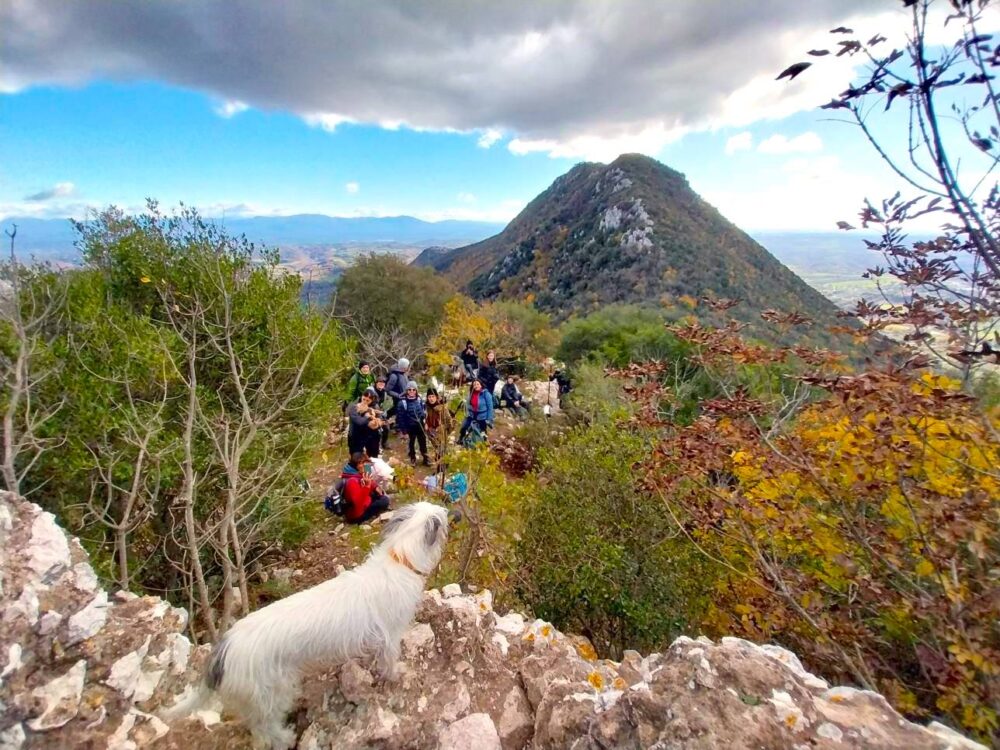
x=632, y=231
x=320, y=246
x=52, y=239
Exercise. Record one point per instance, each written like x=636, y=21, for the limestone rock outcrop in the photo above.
x=81, y=669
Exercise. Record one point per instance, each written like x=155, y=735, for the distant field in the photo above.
x=832, y=263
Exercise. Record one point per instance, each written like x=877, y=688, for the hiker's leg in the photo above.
x=379, y=505
x=422, y=439
x=373, y=445
x=466, y=424
x=413, y=440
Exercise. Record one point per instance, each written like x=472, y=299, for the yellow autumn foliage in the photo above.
x=867, y=535
x=463, y=320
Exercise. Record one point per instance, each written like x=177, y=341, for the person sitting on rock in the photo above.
x=478, y=410
x=410, y=415
x=470, y=360
x=511, y=398
x=362, y=495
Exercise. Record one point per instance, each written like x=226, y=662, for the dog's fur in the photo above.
x=255, y=669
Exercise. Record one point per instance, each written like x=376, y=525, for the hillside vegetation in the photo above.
x=632, y=231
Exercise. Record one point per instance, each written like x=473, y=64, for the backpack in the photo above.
x=474, y=436
x=334, y=500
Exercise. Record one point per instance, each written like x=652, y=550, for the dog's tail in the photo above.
x=214, y=674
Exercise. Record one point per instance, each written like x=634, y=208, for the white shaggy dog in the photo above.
x=255, y=669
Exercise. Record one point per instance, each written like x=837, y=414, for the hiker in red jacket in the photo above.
x=364, y=498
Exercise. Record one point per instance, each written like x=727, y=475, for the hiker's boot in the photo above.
x=413, y=460
x=426, y=461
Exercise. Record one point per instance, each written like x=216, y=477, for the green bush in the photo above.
x=617, y=335
x=384, y=288
x=599, y=556
x=596, y=396
x=152, y=289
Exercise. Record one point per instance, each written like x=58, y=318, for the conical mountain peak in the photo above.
x=632, y=231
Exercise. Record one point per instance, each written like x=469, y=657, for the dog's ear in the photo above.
x=399, y=517
x=431, y=530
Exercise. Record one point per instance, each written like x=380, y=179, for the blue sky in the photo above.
x=471, y=127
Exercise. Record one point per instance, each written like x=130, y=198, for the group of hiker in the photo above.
x=425, y=421
x=372, y=401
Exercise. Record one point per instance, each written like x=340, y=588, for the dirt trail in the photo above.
x=333, y=543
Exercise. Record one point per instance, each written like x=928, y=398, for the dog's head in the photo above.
x=417, y=534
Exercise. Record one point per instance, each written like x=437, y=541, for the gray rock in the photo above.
x=89, y=620
x=355, y=682
x=125, y=672
x=12, y=738
x=59, y=698
x=474, y=731
x=49, y=622
x=48, y=550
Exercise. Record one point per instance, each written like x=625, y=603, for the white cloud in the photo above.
x=782, y=144
x=739, y=142
x=489, y=137
x=650, y=140
x=466, y=198
x=328, y=121
x=59, y=190
x=808, y=193
x=352, y=187
x=230, y=108
x=571, y=78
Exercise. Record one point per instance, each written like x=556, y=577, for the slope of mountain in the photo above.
x=632, y=231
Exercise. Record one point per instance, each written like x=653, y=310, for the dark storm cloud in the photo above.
x=540, y=70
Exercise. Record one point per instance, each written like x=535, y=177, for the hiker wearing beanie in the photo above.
x=360, y=381
x=395, y=385
x=439, y=423
x=410, y=417
x=470, y=360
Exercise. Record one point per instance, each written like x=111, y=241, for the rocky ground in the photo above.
x=83, y=670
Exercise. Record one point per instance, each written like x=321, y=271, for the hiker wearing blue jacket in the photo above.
x=478, y=409
x=410, y=416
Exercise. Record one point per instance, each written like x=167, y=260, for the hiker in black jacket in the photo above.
x=511, y=398
x=379, y=404
x=489, y=375
x=470, y=360
x=364, y=430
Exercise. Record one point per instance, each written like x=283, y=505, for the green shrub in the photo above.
x=599, y=556
x=617, y=335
